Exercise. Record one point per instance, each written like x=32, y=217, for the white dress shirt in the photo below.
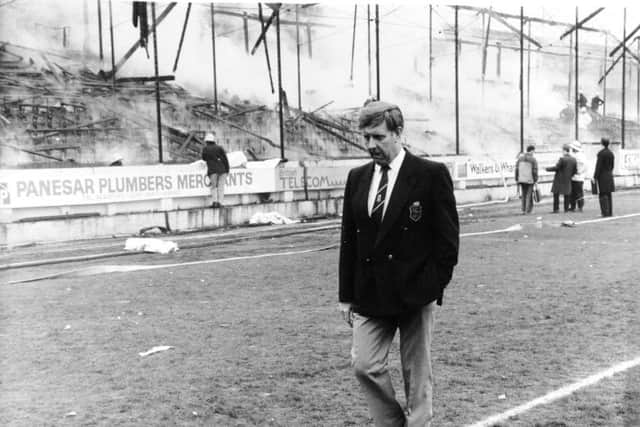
x=392, y=175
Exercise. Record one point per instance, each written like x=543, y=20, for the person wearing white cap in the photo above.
x=577, y=180
x=217, y=168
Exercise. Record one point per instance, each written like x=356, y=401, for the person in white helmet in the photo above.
x=217, y=168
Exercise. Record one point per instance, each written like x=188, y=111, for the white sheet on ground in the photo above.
x=270, y=218
x=147, y=244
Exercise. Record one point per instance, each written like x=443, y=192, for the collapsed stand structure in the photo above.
x=56, y=109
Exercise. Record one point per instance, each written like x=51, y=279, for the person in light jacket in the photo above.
x=577, y=180
x=526, y=177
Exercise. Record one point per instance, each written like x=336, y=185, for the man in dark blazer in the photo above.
x=564, y=169
x=217, y=168
x=603, y=175
x=399, y=244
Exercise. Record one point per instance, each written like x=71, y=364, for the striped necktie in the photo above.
x=378, y=203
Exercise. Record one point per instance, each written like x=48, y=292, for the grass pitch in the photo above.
x=261, y=343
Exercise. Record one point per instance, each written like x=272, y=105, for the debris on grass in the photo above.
x=272, y=218
x=502, y=396
x=71, y=414
x=147, y=244
x=568, y=223
x=156, y=349
x=67, y=327
x=154, y=229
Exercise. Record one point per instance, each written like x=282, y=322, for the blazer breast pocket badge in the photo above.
x=415, y=211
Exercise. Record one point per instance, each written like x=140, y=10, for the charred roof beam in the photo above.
x=527, y=18
x=498, y=18
x=581, y=23
x=624, y=42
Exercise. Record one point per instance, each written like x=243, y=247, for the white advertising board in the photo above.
x=629, y=161
x=21, y=188
x=317, y=178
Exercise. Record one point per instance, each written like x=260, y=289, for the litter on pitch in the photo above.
x=273, y=218
x=147, y=244
x=156, y=349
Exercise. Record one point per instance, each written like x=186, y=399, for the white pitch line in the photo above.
x=609, y=218
x=98, y=269
x=559, y=393
x=516, y=227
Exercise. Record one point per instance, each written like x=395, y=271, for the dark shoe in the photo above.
x=215, y=205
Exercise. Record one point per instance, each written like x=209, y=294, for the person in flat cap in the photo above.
x=217, y=168
x=399, y=245
x=564, y=169
x=577, y=180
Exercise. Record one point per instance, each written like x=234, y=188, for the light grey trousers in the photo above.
x=217, y=186
x=372, y=338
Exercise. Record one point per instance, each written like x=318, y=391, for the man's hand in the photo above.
x=347, y=312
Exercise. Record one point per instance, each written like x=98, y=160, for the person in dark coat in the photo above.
x=564, y=169
x=596, y=102
x=399, y=245
x=582, y=101
x=603, y=176
x=217, y=168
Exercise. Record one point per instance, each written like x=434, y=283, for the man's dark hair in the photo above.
x=530, y=148
x=375, y=112
x=604, y=141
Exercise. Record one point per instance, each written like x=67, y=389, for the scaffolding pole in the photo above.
x=155, y=63
x=215, y=69
x=521, y=86
x=457, y=107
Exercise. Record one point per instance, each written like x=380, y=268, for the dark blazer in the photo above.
x=565, y=168
x=216, y=159
x=408, y=262
x=603, y=173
